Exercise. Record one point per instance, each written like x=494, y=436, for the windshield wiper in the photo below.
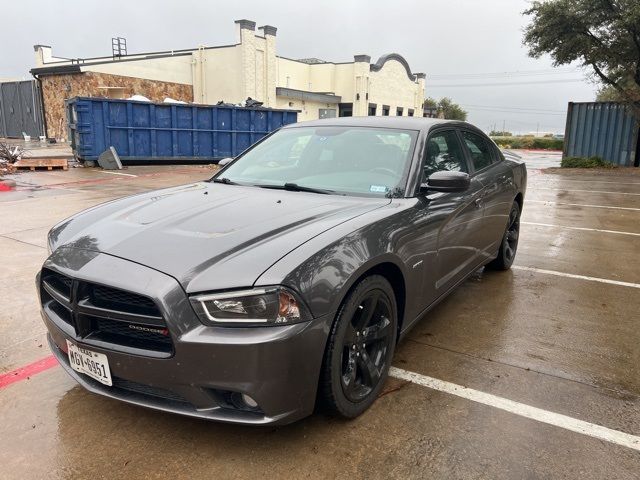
x=294, y=187
x=224, y=180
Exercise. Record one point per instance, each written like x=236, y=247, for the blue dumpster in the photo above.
x=144, y=132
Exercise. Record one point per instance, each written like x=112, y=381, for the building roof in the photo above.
x=322, y=97
x=375, y=67
x=73, y=65
x=312, y=60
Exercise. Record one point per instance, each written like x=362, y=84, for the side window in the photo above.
x=480, y=150
x=444, y=152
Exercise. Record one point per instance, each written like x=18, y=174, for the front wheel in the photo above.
x=360, y=348
x=509, y=245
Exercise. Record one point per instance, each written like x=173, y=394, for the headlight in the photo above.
x=257, y=307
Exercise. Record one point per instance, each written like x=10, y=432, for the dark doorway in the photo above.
x=345, y=109
x=372, y=109
x=385, y=110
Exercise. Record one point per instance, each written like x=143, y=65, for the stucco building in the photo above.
x=231, y=73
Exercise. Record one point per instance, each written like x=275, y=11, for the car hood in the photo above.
x=209, y=236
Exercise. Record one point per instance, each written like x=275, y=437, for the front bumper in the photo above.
x=278, y=367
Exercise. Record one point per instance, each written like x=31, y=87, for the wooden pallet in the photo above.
x=36, y=163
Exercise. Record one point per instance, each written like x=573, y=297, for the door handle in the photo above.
x=478, y=202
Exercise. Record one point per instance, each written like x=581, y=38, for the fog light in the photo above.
x=251, y=403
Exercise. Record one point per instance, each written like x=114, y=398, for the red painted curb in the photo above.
x=27, y=371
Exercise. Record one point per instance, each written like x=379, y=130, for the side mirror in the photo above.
x=224, y=161
x=446, y=181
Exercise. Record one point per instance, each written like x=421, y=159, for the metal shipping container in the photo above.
x=164, y=132
x=604, y=129
x=20, y=109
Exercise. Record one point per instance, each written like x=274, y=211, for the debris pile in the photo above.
x=248, y=103
x=8, y=156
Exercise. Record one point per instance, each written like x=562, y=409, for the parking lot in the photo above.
x=529, y=373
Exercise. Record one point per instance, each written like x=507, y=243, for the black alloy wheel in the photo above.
x=360, y=347
x=509, y=245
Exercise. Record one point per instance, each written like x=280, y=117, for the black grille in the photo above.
x=131, y=334
x=105, y=314
x=146, y=390
x=63, y=312
x=116, y=299
x=60, y=283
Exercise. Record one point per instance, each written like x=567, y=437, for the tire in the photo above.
x=353, y=371
x=509, y=245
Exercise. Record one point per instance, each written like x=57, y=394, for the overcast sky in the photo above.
x=461, y=45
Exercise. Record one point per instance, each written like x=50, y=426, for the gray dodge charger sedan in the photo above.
x=286, y=280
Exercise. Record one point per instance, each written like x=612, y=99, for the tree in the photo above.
x=446, y=108
x=603, y=35
x=609, y=94
x=451, y=111
x=430, y=102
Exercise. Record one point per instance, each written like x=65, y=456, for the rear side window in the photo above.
x=444, y=152
x=480, y=150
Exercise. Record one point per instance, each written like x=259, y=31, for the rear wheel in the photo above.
x=509, y=245
x=360, y=348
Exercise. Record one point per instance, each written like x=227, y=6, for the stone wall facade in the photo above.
x=58, y=88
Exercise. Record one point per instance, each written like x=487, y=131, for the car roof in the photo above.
x=408, y=123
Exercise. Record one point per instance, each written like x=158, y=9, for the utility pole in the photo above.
x=504, y=128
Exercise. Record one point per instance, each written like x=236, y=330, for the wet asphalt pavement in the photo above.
x=559, y=332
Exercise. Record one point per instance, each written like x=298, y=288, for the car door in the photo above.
x=452, y=217
x=497, y=178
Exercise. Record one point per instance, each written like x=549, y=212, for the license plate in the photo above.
x=90, y=363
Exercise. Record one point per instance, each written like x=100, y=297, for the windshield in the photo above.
x=341, y=160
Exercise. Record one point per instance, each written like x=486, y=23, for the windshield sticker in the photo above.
x=378, y=188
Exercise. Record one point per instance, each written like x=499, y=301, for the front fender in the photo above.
x=325, y=268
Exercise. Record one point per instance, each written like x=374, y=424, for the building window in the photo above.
x=385, y=110
x=372, y=109
x=399, y=111
x=410, y=112
x=431, y=112
x=345, y=109
x=327, y=113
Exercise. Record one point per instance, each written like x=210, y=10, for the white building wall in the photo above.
x=322, y=77
x=292, y=74
x=44, y=55
x=391, y=86
x=345, y=81
x=271, y=68
x=307, y=110
x=218, y=75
